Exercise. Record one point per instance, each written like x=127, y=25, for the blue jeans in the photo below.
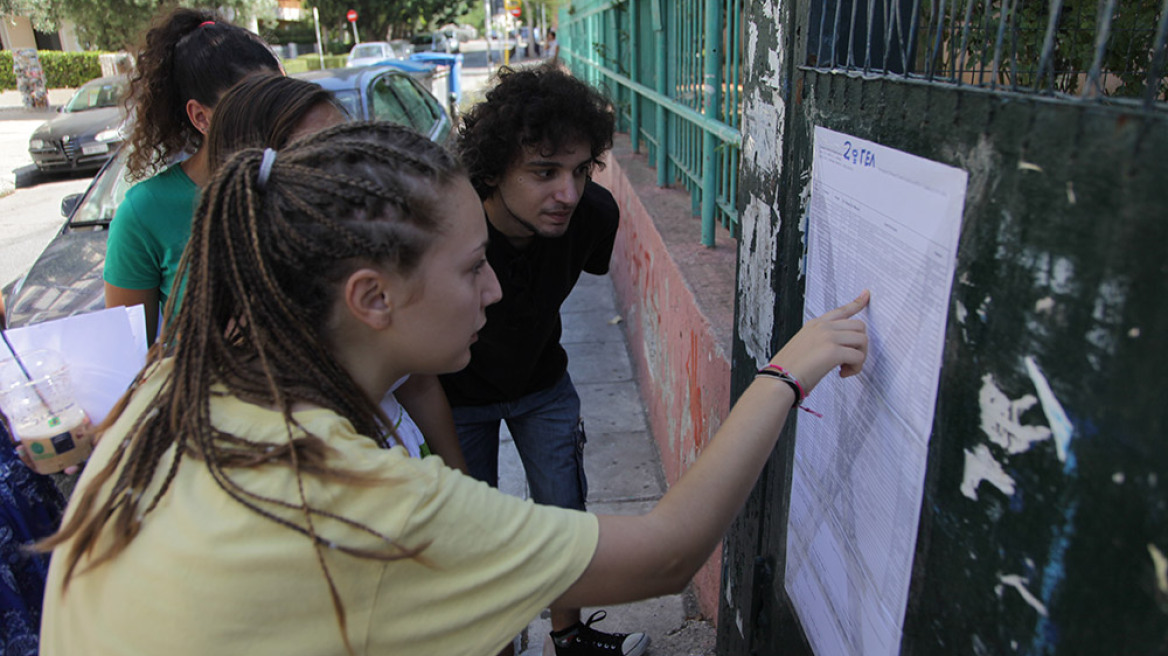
x=549, y=435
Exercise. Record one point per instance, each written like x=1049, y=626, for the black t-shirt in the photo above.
x=518, y=352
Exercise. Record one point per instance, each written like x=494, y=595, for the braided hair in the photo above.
x=266, y=263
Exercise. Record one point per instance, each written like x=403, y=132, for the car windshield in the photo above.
x=366, y=51
x=103, y=196
x=351, y=101
x=95, y=94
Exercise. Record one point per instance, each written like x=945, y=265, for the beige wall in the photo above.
x=16, y=32
x=69, y=39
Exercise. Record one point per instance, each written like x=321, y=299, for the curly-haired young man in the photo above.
x=530, y=149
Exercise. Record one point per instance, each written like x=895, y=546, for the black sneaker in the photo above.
x=583, y=640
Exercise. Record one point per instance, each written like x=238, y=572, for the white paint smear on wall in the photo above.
x=1019, y=584
x=980, y=465
x=757, y=307
x=1160, y=565
x=1060, y=424
x=1001, y=418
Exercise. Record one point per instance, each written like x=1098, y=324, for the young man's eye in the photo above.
x=545, y=174
x=478, y=267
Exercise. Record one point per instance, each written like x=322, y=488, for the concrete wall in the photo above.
x=677, y=300
x=16, y=32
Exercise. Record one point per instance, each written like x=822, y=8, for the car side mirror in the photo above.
x=69, y=203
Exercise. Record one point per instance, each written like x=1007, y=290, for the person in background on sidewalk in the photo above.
x=529, y=149
x=553, y=49
x=190, y=57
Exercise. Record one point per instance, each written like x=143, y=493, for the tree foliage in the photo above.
x=378, y=19
x=1126, y=58
x=120, y=24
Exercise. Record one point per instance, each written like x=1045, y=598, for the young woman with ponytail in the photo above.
x=190, y=57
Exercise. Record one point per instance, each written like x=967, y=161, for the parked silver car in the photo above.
x=373, y=52
x=88, y=131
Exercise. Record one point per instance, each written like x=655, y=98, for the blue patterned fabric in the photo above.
x=30, y=509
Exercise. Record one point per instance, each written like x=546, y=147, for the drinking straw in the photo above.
x=27, y=376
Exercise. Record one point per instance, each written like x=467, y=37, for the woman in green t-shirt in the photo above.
x=190, y=57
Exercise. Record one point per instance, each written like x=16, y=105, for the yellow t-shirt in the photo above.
x=205, y=575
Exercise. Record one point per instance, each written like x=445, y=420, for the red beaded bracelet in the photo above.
x=775, y=371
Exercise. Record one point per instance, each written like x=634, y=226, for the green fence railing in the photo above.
x=672, y=67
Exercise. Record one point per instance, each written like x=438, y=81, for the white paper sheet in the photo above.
x=887, y=221
x=104, y=350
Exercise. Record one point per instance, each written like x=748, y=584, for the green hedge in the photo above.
x=69, y=69
x=7, y=77
x=62, y=69
x=311, y=62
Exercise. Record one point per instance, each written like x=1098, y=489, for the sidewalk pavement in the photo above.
x=13, y=109
x=622, y=464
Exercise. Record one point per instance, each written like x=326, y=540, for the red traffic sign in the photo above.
x=516, y=12
x=352, y=15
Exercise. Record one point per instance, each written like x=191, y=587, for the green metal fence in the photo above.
x=672, y=69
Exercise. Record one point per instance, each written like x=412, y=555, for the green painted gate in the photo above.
x=1058, y=112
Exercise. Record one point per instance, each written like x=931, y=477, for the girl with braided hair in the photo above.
x=267, y=110
x=190, y=57
x=247, y=497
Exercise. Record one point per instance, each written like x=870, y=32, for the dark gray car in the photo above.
x=88, y=131
x=66, y=278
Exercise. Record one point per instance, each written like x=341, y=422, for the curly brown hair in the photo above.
x=188, y=54
x=543, y=106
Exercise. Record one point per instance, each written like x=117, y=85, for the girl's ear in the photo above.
x=369, y=295
x=199, y=116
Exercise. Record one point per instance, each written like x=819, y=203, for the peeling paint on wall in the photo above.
x=762, y=148
x=980, y=162
x=763, y=120
x=1001, y=418
x=756, y=312
x=1019, y=584
x=1060, y=424
x=980, y=465
x=804, y=220
x=983, y=309
x=1160, y=565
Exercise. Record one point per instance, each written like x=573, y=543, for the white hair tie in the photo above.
x=266, y=167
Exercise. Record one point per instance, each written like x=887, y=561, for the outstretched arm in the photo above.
x=658, y=553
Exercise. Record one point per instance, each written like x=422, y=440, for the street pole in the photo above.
x=356, y=39
x=487, y=29
x=319, y=45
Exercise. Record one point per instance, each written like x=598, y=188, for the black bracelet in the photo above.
x=777, y=372
x=786, y=378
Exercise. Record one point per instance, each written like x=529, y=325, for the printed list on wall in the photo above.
x=887, y=221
